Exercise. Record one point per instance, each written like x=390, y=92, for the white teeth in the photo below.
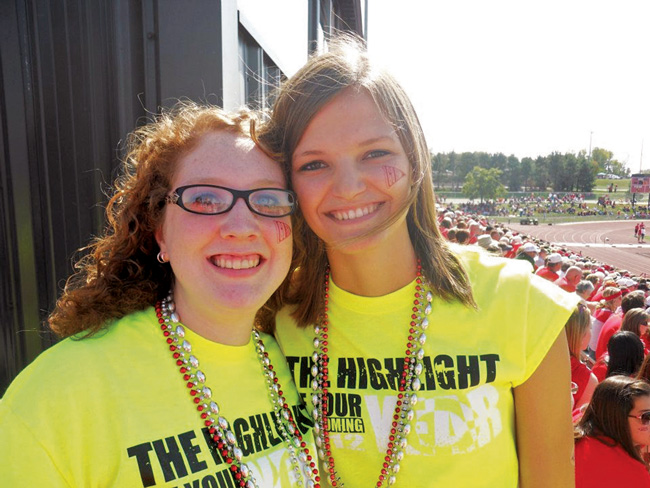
x=237, y=263
x=355, y=214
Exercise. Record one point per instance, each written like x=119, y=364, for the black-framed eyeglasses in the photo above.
x=644, y=417
x=215, y=200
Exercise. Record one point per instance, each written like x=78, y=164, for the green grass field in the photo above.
x=602, y=185
x=551, y=219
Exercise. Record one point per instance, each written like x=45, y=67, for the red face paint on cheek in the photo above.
x=393, y=175
x=283, y=230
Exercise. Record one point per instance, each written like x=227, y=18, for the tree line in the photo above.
x=561, y=172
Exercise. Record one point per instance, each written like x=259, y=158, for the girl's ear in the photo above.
x=160, y=238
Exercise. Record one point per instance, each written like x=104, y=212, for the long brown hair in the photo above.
x=608, y=410
x=347, y=66
x=119, y=272
x=633, y=319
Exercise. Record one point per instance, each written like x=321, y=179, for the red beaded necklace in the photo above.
x=209, y=410
x=409, y=385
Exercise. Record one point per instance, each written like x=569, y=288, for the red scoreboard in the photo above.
x=640, y=183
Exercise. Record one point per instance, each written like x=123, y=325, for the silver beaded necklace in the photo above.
x=409, y=385
x=209, y=411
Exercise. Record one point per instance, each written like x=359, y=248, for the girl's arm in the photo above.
x=589, y=391
x=543, y=422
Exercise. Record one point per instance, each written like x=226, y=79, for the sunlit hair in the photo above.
x=119, y=273
x=576, y=328
x=625, y=351
x=584, y=286
x=633, y=319
x=346, y=66
x=608, y=410
x=608, y=292
x=644, y=370
x=634, y=299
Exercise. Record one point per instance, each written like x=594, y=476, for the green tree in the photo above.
x=484, y=184
x=603, y=157
x=512, y=175
x=483, y=159
x=499, y=161
x=541, y=173
x=526, y=172
x=570, y=172
x=466, y=162
x=439, y=168
x=619, y=168
x=558, y=172
x=585, y=174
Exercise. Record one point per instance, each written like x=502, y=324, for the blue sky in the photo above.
x=521, y=77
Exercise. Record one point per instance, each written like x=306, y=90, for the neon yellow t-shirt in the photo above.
x=113, y=410
x=463, y=432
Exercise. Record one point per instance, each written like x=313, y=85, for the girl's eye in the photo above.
x=312, y=166
x=378, y=153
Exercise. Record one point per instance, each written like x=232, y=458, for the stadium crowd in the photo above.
x=608, y=343
x=570, y=203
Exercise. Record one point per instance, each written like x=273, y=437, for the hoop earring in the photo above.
x=162, y=257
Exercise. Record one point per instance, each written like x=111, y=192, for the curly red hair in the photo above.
x=119, y=272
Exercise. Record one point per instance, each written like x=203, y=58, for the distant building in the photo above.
x=77, y=76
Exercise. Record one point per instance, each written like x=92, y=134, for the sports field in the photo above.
x=610, y=242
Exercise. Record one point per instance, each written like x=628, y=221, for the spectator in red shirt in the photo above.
x=474, y=231
x=607, y=306
x=570, y=280
x=636, y=321
x=551, y=267
x=445, y=225
x=612, y=432
x=636, y=299
x=578, y=332
x=624, y=356
x=598, y=295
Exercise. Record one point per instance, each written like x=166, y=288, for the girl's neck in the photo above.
x=372, y=272
x=228, y=327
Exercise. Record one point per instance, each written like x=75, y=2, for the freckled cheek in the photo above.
x=306, y=191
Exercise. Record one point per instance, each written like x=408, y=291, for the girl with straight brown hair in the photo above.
x=611, y=434
x=423, y=364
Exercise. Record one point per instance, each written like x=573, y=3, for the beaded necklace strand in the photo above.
x=409, y=385
x=209, y=411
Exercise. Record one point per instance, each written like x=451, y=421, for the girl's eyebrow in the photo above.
x=374, y=140
x=367, y=142
x=309, y=152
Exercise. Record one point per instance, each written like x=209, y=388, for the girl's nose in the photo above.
x=349, y=181
x=240, y=222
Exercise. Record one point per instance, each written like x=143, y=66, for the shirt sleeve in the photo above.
x=23, y=460
x=548, y=309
